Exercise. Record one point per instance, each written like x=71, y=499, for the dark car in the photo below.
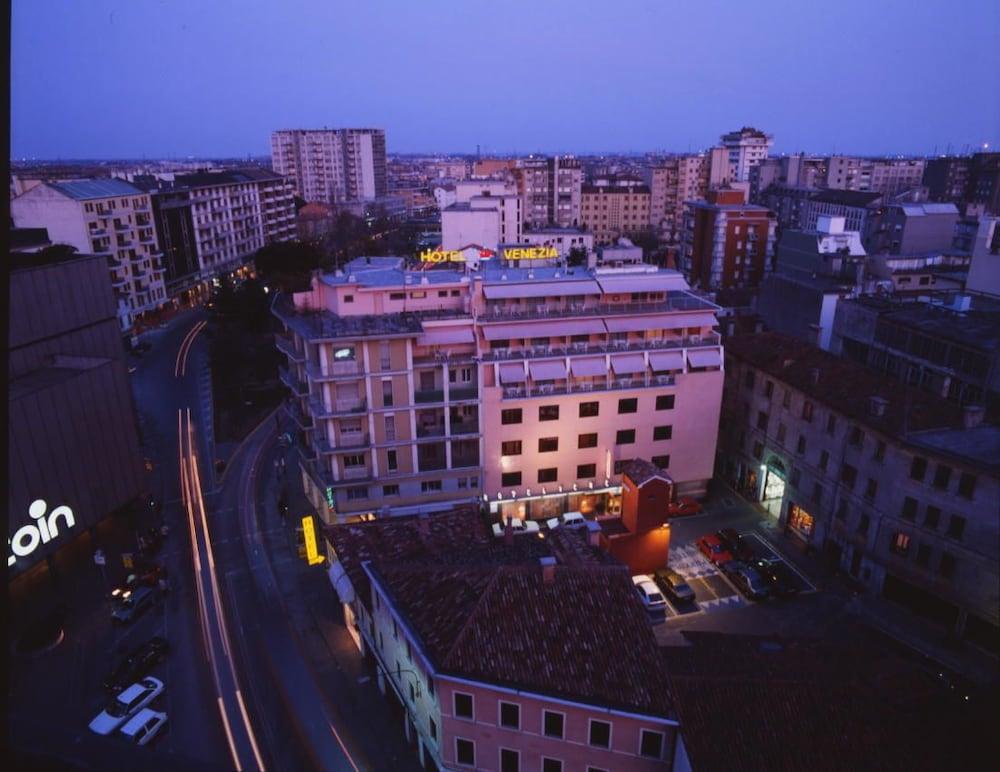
x=132, y=603
x=746, y=579
x=778, y=575
x=136, y=664
x=736, y=544
x=674, y=585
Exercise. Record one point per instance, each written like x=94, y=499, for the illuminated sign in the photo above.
x=309, y=534
x=329, y=497
x=27, y=538
x=511, y=253
x=441, y=256
x=530, y=253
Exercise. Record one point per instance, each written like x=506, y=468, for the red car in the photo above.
x=683, y=506
x=713, y=549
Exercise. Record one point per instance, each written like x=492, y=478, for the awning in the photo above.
x=659, y=322
x=705, y=358
x=628, y=363
x=547, y=371
x=588, y=366
x=642, y=282
x=573, y=327
x=445, y=335
x=508, y=331
x=341, y=583
x=561, y=287
x=666, y=360
x=512, y=374
x=544, y=329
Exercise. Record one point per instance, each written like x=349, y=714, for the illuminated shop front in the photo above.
x=772, y=490
x=542, y=504
x=800, y=521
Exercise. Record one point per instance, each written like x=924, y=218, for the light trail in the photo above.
x=180, y=364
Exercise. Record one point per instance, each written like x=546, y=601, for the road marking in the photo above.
x=779, y=556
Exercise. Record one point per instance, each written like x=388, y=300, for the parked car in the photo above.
x=746, y=579
x=683, y=506
x=519, y=525
x=133, y=603
x=136, y=664
x=126, y=704
x=713, y=549
x=778, y=575
x=674, y=585
x=735, y=544
x=144, y=726
x=650, y=594
x=574, y=520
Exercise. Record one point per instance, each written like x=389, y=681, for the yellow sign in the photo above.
x=309, y=534
x=441, y=256
x=530, y=253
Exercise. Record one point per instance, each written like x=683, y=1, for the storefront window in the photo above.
x=800, y=520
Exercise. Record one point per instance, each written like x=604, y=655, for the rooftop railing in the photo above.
x=603, y=347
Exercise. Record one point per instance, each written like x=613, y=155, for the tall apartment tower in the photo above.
x=551, y=189
x=747, y=148
x=672, y=182
x=332, y=166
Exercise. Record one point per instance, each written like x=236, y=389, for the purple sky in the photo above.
x=156, y=78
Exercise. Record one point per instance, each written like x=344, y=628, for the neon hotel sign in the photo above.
x=511, y=253
x=43, y=530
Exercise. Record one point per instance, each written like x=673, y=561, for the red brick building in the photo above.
x=727, y=242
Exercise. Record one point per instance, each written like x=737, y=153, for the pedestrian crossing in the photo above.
x=730, y=601
x=688, y=561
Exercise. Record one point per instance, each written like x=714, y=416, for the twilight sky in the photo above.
x=159, y=78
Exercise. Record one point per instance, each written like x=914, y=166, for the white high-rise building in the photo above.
x=332, y=165
x=747, y=148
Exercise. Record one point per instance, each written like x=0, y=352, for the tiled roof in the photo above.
x=83, y=190
x=584, y=636
x=749, y=703
x=844, y=385
x=640, y=471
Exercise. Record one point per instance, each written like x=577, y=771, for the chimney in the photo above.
x=593, y=533
x=548, y=570
x=814, y=375
x=508, y=531
x=877, y=406
x=972, y=416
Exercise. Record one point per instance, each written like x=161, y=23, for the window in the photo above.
x=550, y=474
x=807, y=411
x=848, y=476
x=510, y=448
x=769, y=389
x=762, y=421
x=510, y=761
x=796, y=476
x=748, y=379
x=442, y=293
x=589, y=409
x=428, y=486
x=511, y=416
x=800, y=446
x=586, y=471
x=909, y=508
x=942, y=476
x=510, y=479
x=356, y=493
x=966, y=485
x=923, y=557
x=824, y=459
x=587, y=440
x=465, y=752
x=348, y=298
x=661, y=461
x=548, y=444
x=918, y=468
x=600, y=733
x=842, y=510
x=553, y=723
x=817, y=493
x=510, y=715
x=863, y=522
x=831, y=424
x=665, y=402
x=870, y=489
x=786, y=399
x=900, y=543
x=630, y=405
x=620, y=465
x=946, y=565
x=856, y=437
x=663, y=432
x=931, y=517
x=551, y=765
x=548, y=413
x=625, y=437
x=463, y=705
x=433, y=728
x=390, y=490
x=387, y=392
x=879, y=454
x=758, y=450
x=650, y=744
x=956, y=527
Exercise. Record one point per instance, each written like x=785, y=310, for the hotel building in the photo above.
x=527, y=388
x=105, y=217
x=332, y=165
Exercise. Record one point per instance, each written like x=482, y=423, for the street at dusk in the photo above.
x=561, y=388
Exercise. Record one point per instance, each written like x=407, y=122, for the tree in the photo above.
x=576, y=256
x=288, y=264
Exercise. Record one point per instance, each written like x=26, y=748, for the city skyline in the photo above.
x=196, y=96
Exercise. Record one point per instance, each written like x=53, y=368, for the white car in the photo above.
x=574, y=519
x=651, y=596
x=127, y=704
x=144, y=725
x=520, y=526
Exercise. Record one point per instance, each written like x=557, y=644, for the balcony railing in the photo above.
x=428, y=395
x=603, y=347
x=356, y=473
x=435, y=430
x=353, y=405
x=465, y=427
x=459, y=461
x=463, y=392
x=612, y=384
x=297, y=415
x=677, y=303
x=291, y=381
x=335, y=370
x=286, y=345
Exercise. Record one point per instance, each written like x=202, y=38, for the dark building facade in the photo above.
x=175, y=231
x=74, y=453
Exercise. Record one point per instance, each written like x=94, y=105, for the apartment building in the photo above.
x=745, y=149
x=551, y=190
x=484, y=221
x=947, y=178
x=897, y=487
x=612, y=208
x=531, y=388
x=857, y=208
x=727, y=242
x=105, y=217
x=888, y=176
x=911, y=229
x=331, y=166
x=478, y=640
x=793, y=171
x=212, y=223
x=672, y=181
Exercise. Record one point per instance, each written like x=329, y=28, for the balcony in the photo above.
x=291, y=381
x=679, y=302
x=304, y=421
x=465, y=392
x=612, y=384
x=334, y=370
x=463, y=461
x=428, y=395
x=603, y=347
x=338, y=407
x=464, y=427
x=286, y=345
x=357, y=473
x=430, y=430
